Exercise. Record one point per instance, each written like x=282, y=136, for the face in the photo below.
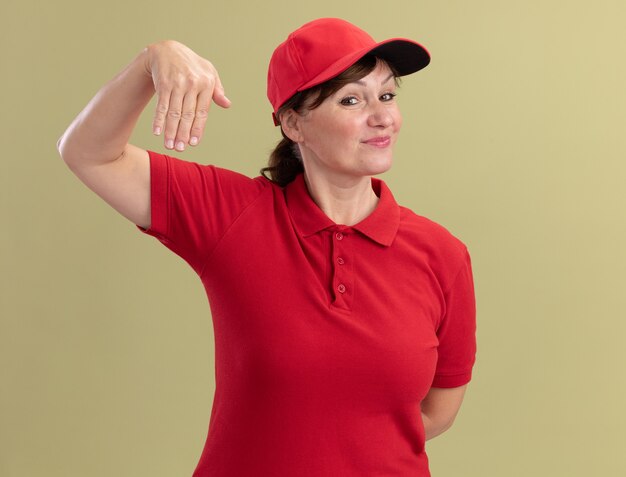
x=352, y=133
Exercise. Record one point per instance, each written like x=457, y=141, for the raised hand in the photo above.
x=185, y=83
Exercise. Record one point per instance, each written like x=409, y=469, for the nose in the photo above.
x=381, y=115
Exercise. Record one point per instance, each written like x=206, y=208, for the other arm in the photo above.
x=439, y=409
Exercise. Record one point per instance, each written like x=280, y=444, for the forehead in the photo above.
x=375, y=78
x=379, y=75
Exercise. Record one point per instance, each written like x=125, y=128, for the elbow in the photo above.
x=59, y=146
x=62, y=149
x=435, y=425
x=440, y=407
x=76, y=156
x=72, y=156
x=446, y=424
x=443, y=424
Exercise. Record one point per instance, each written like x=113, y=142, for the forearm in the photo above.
x=103, y=128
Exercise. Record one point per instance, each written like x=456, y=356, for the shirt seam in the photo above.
x=209, y=256
x=458, y=272
x=452, y=283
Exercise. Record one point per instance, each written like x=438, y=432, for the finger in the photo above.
x=202, y=110
x=160, y=111
x=218, y=94
x=172, y=118
x=186, y=120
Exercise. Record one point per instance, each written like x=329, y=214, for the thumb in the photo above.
x=219, y=97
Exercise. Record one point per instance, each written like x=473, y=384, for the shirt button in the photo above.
x=339, y=236
x=340, y=261
x=341, y=288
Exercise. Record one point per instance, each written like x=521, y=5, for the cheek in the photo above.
x=397, y=120
x=341, y=135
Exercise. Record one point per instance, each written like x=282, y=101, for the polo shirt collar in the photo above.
x=380, y=226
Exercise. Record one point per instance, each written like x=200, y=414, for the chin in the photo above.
x=378, y=166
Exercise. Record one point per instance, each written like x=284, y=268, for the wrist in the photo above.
x=145, y=58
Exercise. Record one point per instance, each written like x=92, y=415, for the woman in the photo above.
x=344, y=323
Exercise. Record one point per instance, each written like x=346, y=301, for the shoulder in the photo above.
x=428, y=230
x=444, y=250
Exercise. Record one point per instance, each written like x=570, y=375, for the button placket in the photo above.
x=342, y=282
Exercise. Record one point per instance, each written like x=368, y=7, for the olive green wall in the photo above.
x=513, y=139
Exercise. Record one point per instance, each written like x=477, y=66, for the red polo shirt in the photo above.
x=327, y=337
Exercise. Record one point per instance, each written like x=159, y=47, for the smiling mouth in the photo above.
x=383, y=141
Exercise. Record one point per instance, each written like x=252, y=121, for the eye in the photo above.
x=388, y=96
x=349, y=101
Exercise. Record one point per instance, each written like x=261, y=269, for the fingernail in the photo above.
x=193, y=141
x=180, y=145
x=169, y=143
x=157, y=131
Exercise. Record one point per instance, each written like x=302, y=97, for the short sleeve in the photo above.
x=193, y=205
x=457, y=331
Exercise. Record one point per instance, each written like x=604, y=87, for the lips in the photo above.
x=380, y=141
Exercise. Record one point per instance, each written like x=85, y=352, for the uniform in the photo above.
x=327, y=337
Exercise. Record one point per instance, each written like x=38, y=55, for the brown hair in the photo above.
x=285, y=162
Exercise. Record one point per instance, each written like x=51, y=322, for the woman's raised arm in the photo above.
x=95, y=145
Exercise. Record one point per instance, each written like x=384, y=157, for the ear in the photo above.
x=291, y=123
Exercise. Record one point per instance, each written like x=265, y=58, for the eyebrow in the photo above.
x=362, y=83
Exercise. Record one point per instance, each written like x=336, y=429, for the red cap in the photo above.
x=322, y=49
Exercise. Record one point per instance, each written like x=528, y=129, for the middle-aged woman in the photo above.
x=344, y=323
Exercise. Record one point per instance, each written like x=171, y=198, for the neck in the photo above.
x=345, y=202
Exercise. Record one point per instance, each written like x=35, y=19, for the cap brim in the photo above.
x=406, y=56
